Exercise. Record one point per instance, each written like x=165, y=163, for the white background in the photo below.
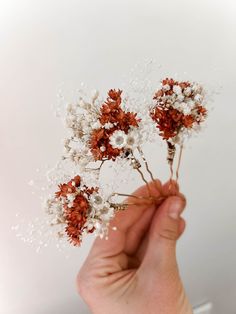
x=46, y=43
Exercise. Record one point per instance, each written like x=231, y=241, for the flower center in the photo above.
x=119, y=140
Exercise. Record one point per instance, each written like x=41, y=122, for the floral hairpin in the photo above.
x=102, y=131
x=80, y=210
x=178, y=112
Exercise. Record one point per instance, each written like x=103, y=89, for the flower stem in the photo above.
x=170, y=157
x=147, y=198
x=144, y=180
x=98, y=168
x=131, y=195
x=148, y=169
x=179, y=162
x=136, y=165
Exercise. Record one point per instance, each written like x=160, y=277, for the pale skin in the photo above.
x=135, y=271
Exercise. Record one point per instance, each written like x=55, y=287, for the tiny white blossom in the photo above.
x=186, y=109
x=177, y=105
x=166, y=87
x=103, y=149
x=108, y=215
x=108, y=125
x=177, y=89
x=180, y=97
x=198, y=97
x=196, y=88
x=191, y=104
x=96, y=125
x=71, y=197
x=187, y=91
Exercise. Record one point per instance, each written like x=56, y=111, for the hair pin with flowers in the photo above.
x=102, y=131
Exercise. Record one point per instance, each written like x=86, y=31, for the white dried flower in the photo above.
x=108, y=125
x=191, y=104
x=198, y=97
x=176, y=105
x=133, y=139
x=177, y=89
x=96, y=125
x=96, y=199
x=118, y=139
x=197, y=88
x=180, y=97
x=166, y=87
x=71, y=197
x=187, y=91
x=186, y=109
x=103, y=149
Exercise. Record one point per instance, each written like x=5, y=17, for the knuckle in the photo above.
x=168, y=234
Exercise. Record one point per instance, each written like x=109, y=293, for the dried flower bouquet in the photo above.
x=102, y=131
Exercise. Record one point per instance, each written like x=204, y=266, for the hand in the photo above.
x=135, y=271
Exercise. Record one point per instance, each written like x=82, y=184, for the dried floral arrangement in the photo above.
x=103, y=131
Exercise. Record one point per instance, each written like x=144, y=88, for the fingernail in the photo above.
x=176, y=207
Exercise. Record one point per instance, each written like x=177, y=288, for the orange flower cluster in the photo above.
x=169, y=119
x=169, y=122
x=116, y=118
x=67, y=188
x=75, y=214
x=76, y=218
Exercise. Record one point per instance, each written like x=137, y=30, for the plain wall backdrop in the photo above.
x=48, y=44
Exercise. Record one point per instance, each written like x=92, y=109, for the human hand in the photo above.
x=135, y=271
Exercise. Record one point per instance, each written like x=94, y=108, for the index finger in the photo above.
x=123, y=220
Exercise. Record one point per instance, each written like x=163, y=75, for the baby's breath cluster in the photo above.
x=81, y=120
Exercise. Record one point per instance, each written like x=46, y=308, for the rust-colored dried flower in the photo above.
x=100, y=145
x=112, y=118
x=74, y=198
x=178, y=107
x=65, y=189
x=76, y=217
x=168, y=121
x=69, y=187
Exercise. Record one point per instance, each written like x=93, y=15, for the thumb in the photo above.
x=163, y=234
